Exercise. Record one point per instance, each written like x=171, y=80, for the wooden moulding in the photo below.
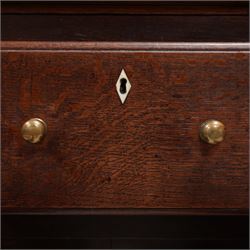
x=131, y=7
x=125, y=28
x=130, y=46
x=130, y=212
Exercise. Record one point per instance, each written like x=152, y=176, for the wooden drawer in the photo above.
x=145, y=153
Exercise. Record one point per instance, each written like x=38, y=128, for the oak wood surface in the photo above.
x=150, y=232
x=61, y=62
x=144, y=154
x=125, y=28
x=125, y=7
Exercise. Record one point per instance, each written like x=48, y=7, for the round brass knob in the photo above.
x=212, y=131
x=34, y=130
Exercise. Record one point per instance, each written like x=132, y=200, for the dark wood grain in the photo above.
x=132, y=7
x=144, y=154
x=164, y=232
x=126, y=28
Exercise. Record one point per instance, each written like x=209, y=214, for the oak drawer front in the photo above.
x=145, y=153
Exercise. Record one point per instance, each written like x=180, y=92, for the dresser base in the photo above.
x=124, y=231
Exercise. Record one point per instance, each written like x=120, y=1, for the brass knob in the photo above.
x=212, y=131
x=34, y=130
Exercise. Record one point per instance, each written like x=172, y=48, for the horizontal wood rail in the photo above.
x=37, y=45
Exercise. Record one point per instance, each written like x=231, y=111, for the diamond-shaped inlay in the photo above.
x=123, y=86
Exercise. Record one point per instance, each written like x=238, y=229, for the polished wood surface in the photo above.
x=128, y=211
x=125, y=176
x=131, y=7
x=123, y=231
x=122, y=46
x=143, y=154
x=129, y=28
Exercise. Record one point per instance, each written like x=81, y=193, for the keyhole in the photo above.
x=123, y=88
